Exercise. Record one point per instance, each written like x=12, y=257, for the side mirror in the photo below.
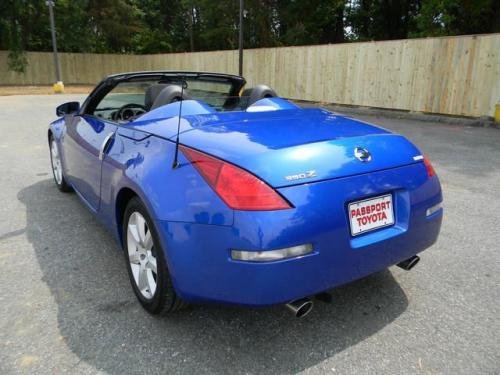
x=67, y=108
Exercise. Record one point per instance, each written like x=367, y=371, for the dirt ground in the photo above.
x=43, y=90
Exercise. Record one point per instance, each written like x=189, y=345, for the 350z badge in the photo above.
x=301, y=176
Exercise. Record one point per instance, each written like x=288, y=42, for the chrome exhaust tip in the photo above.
x=300, y=307
x=409, y=263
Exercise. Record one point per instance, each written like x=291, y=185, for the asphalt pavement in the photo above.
x=66, y=305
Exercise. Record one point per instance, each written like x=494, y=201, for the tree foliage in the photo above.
x=155, y=26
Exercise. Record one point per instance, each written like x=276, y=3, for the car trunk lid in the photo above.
x=296, y=146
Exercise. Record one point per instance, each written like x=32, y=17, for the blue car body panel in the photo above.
x=81, y=145
x=198, y=230
x=200, y=254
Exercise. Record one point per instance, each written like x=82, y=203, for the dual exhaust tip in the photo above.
x=302, y=307
x=409, y=263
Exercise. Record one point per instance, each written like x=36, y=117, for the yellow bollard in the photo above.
x=497, y=113
x=58, y=87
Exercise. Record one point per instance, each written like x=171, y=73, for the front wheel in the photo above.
x=146, y=263
x=57, y=171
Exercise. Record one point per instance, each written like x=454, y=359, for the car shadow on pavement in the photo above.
x=101, y=322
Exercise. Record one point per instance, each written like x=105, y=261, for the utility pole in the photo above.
x=58, y=86
x=191, y=25
x=240, y=41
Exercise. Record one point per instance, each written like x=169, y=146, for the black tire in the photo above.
x=62, y=185
x=164, y=300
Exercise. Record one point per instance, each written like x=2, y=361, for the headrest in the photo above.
x=258, y=92
x=152, y=92
x=169, y=94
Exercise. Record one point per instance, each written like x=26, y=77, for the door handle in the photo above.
x=105, y=144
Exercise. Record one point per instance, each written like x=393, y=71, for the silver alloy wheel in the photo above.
x=140, y=253
x=56, y=162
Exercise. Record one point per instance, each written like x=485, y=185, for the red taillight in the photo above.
x=430, y=169
x=239, y=189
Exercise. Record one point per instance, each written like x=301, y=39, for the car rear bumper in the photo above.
x=199, y=256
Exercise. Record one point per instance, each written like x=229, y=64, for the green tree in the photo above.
x=382, y=19
x=157, y=26
x=114, y=23
x=455, y=17
x=311, y=22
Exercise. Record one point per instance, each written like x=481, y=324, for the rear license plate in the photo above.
x=371, y=214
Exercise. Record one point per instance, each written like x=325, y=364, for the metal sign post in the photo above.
x=58, y=86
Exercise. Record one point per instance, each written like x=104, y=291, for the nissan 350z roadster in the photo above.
x=218, y=193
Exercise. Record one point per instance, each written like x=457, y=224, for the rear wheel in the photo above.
x=146, y=263
x=57, y=171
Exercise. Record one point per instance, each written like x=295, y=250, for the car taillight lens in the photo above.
x=239, y=189
x=430, y=169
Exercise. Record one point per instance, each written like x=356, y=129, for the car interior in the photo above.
x=129, y=100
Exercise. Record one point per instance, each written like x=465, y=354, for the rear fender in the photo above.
x=170, y=194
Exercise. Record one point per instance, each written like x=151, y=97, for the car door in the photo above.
x=84, y=143
x=90, y=133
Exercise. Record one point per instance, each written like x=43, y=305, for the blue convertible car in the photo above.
x=223, y=194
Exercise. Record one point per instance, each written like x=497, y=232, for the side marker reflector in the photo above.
x=433, y=209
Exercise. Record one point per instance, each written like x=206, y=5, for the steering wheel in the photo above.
x=128, y=111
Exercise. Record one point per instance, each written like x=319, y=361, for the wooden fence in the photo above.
x=449, y=75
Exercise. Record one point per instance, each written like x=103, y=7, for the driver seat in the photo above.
x=152, y=93
x=251, y=95
x=169, y=94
